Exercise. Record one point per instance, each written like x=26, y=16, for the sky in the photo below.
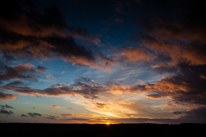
x=103, y=61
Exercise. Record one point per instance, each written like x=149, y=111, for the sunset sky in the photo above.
x=103, y=61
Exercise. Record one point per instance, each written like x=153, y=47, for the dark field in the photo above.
x=117, y=130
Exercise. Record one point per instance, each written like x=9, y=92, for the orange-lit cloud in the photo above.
x=66, y=115
x=171, y=104
x=202, y=76
x=186, y=86
x=133, y=54
x=126, y=102
x=102, y=106
x=4, y=96
x=54, y=106
x=35, y=34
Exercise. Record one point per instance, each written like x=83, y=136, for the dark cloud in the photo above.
x=84, y=34
x=51, y=117
x=15, y=83
x=52, y=91
x=186, y=86
x=19, y=71
x=77, y=119
x=34, y=114
x=3, y=111
x=173, y=28
x=7, y=57
x=22, y=115
x=88, y=87
x=162, y=68
x=5, y=106
x=4, y=96
x=177, y=112
x=26, y=32
x=83, y=86
x=154, y=96
x=101, y=106
x=41, y=69
x=197, y=113
x=172, y=37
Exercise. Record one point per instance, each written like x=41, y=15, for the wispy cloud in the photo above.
x=50, y=77
x=34, y=114
x=54, y=106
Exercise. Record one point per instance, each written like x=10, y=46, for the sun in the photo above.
x=107, y=123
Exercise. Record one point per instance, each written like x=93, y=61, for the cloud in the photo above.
x=175, y=47
x=185, y=86
x=49, y=77
x=3, y=111
x=83, y=115
x=195, y=113
x=51, y=117
x=77, y=115
x=26, y=32
x=91, y=88
x=41, y=69
x=202, y=76
x=181, y=38
x=22, y=115
x=34, y=114
x=4, y=96
x=154, y=96
x=65, y=115
x=7, y=57
x=126, y=102
x=171, y=104
x=5, y=106
x=177, y=112
x=84, y=34
x=83, y=86
x=101, y=106
x=54, y=106
x=169, y=68
x=54, y=90
x=18, y=71
x=130, y=54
